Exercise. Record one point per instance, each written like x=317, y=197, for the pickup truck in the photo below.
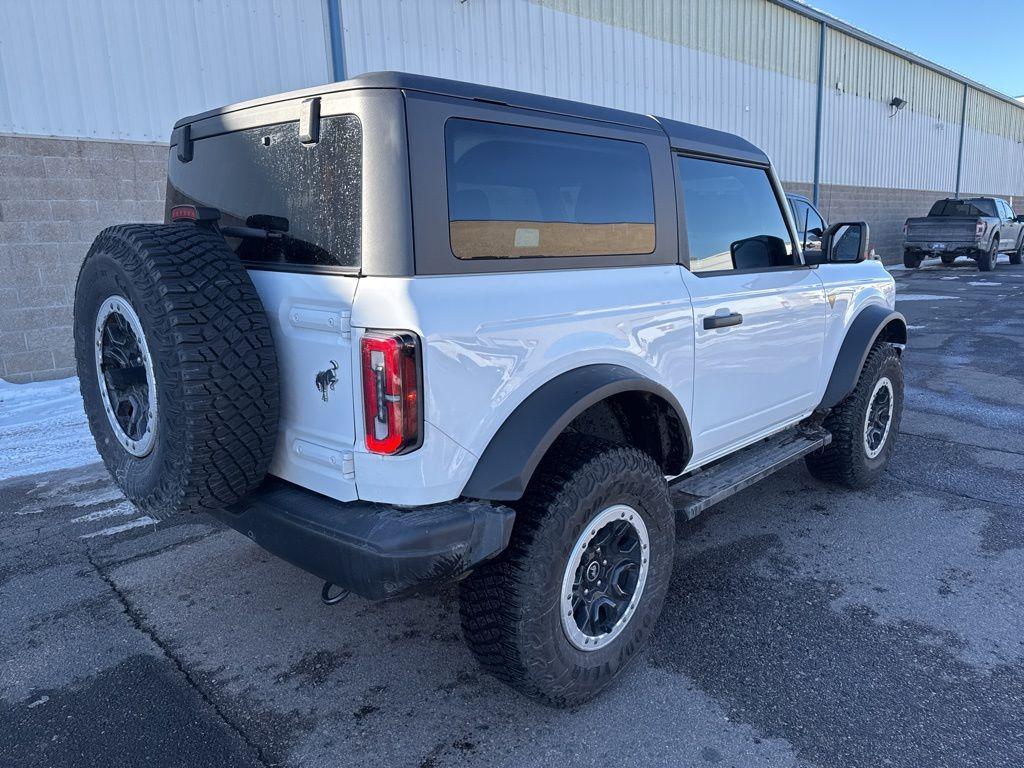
x=403, y=331
x=978, y=227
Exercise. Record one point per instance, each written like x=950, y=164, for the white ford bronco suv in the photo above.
x=401, y=330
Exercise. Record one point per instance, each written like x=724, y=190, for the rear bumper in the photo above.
x=928, y=246
x=373, y=550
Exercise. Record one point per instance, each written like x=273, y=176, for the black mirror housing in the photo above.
x=845, y=242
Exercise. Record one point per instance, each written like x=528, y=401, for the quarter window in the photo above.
x=733, y=218
x=515, y=191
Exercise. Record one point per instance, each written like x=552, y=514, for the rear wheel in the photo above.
x=594, y=537
x=865, y=425
x=911, y=259
x=987, y=259
x=176, y=366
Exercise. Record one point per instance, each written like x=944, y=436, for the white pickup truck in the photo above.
x=403, y=331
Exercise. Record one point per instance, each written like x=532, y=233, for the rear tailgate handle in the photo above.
x=722, y=321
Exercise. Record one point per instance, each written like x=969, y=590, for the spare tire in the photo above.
x=177, y=367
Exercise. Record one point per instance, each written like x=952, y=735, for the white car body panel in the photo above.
x=491, y=340
x=310, y=320
x=752, y=377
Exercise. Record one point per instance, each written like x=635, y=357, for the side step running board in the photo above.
x=694, y=493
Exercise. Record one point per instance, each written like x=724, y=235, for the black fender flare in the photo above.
x=860, y=338
x=507, y=464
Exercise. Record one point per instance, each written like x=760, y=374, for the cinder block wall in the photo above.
x=55, y=196
x=885, y=210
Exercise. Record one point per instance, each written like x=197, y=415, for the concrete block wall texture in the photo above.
x=55, y=197
x=885, y=210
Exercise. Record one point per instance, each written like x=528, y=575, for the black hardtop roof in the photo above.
x=684, y=136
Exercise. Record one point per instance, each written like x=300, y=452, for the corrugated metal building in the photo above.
x=104, y=80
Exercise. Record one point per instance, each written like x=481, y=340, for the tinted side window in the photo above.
x=516, y=191
x=733, y=219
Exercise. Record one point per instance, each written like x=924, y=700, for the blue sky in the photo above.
x=982, y=39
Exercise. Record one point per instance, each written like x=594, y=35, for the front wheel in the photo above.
x=578, y=591
x=987, y=260
x=1017, y=257
x=864, y=426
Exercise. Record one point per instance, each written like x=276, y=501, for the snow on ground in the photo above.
x=43, y=428
x=923, y=297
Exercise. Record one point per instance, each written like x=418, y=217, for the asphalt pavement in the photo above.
x=806, y=626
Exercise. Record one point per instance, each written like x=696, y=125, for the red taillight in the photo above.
x=391, y=391
x=979, y=229
x=184, y=213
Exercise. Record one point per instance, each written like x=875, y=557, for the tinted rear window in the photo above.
x=516, y=191
x=309, y=195
x=963, y=208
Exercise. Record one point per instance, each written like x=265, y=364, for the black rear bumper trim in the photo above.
x=374, y=550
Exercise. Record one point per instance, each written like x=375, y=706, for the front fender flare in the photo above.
x=864, y=331
x=507, y=464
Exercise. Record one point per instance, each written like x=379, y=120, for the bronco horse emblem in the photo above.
x=325, y=380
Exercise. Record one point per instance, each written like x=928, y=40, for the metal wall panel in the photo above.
x=866, y=142
x=127, y=69
x=993, y=146
x=607, y=57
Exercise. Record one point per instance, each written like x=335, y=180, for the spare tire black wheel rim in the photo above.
x=604, y=577
x=124, y=373
x=878, y=419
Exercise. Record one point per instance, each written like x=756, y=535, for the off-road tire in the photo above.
x=911, y=259
x=948, y=260
x=1017, y=257
x=987, y=259
x=845, y=461
x=509, y=607
x=213, y=360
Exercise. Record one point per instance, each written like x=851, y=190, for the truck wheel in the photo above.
x=1017, y=257
x=864, y=426
x=176, y=365
x=987, y=260
x=911, y=259
x=594, y=537
x=948, y=260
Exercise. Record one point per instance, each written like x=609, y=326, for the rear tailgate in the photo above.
x=942, y=229
x=303, y=201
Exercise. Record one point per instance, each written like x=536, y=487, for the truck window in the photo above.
x=733, y=218
x=515, y=191
x=968, y=208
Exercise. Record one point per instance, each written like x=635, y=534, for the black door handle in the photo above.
x=722, y=321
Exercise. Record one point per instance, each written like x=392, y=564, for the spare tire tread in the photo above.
x=212, y=347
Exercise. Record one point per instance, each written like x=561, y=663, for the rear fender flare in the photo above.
x=509, y=460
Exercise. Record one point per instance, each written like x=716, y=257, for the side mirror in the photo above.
x=845, y=242
x=1019, y=219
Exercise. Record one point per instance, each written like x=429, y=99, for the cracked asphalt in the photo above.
x=806, y=626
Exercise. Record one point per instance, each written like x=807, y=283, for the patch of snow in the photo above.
x=916, y=327
x=37, y=702
x=982, y=282
x=89, y=499
x=119, y=510
x=43, y=428
x=948, y=277
x=116, y=529
x=923, y=297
